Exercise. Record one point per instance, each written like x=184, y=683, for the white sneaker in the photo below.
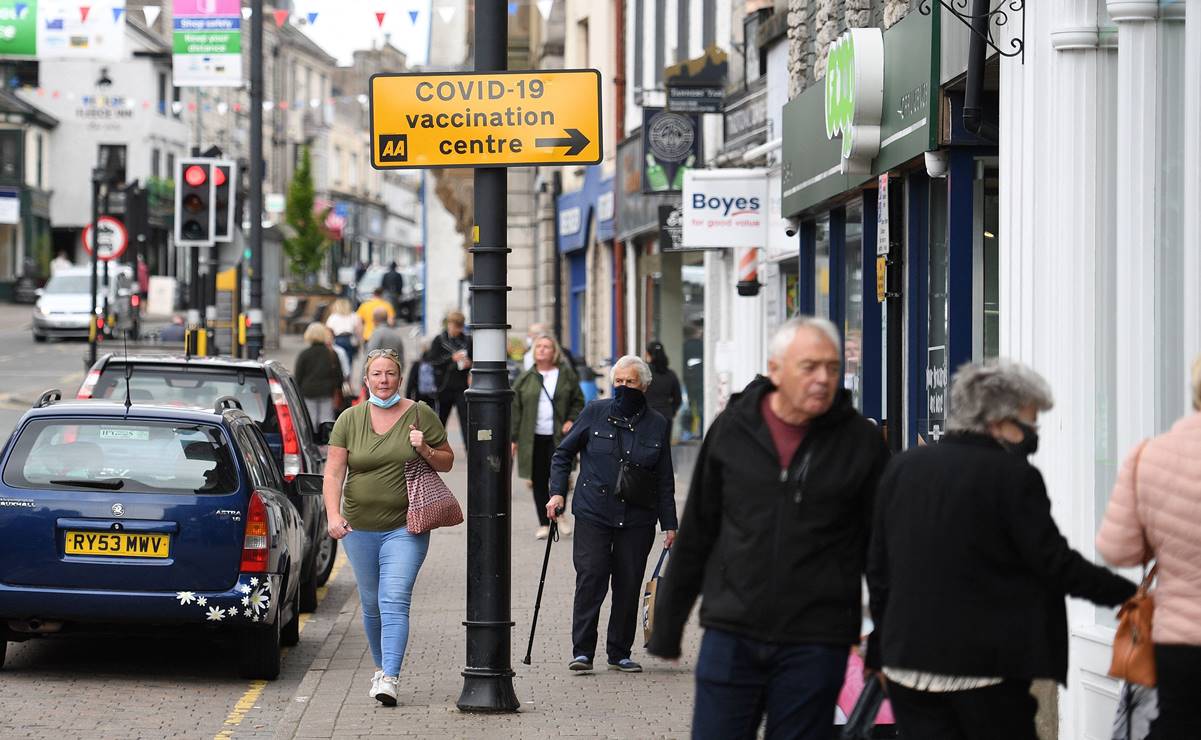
x=542, y=533
x=374, y=684
x=385, y=690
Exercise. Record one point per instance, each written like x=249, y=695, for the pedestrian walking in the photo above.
x=968, y=571
x=318, y=374
x=546, y=402
x=533, y=332
x=619, y=440
x=450, y=354
x=368, y=449
x=385, y=335
x=775, y=536
x=346, y=327
x=663, y=394
x=366, y=311
x=393, y=285
x=1155, y=513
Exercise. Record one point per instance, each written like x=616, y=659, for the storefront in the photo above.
x=895, y=205
x=586, y=243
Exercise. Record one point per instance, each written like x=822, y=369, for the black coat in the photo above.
x=778, y=554
x=967, y=569
x=318, y=372
x=601, y=444
x=441, y=355
x=663, y=394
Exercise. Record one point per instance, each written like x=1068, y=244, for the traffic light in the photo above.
x=195, y=202
x=225, y=187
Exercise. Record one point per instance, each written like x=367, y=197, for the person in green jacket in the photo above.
x=546, y=401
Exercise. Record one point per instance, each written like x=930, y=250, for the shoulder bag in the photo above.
x=636, y=485
x=1133, y=652
x=431, y=504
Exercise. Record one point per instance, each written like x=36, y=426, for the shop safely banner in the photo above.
x=725, y=208
x=207, y=43
x=33, y=29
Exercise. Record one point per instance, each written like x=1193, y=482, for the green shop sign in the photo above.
x=18, y=28
x=837, y=136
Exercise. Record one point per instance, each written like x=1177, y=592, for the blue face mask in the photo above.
x=382, y=403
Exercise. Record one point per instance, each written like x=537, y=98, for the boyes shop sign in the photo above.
x=725, y=208
x=875, y=109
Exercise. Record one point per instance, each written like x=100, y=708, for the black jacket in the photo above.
x=601, y=444
x=318, y=372
x=967, y=569
x=663, y=394
x=441, y=355
x=778, y=554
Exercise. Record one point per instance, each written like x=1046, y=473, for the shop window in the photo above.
x=990, y=202
x=791, y=285
x=932, y=421
x=852, y=329
x=10, y=156
x=692, y=276
x=821, y=267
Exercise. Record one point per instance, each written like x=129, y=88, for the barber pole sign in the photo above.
x=748, y=271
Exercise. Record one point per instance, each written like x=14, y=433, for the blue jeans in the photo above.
x=738, y=679
x=385, y=568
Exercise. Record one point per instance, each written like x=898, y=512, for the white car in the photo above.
x=63, y=306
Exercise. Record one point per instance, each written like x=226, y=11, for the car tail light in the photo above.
x=135, y=300
x=254, y=545
x=89, y=384
x=287, y=430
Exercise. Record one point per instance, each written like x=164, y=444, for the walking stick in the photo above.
x=550, y=538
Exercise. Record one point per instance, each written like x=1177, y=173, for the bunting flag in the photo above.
x=117, y=14
x=512, y=8
x=151, y=12
x=312, y=18
x=544, y=9
x=246, y=13
x=281, y=17
x=83, y=12
x=379, y=19
x=447, y=13
x=413, y=16
x=177, y=107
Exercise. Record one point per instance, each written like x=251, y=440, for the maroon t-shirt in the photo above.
x=788, y=437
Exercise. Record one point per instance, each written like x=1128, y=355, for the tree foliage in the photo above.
x=307, y=244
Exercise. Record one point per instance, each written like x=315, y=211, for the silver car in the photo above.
x=63, y=306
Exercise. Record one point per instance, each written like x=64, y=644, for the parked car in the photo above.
x=268, y=394
x=146, y=517
x=64, y=305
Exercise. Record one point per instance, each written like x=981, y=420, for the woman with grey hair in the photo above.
x=625, y=485
x=968, y=571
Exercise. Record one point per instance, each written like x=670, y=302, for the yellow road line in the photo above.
x=248, y=699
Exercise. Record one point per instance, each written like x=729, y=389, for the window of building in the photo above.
x=41, y=159
x=10, y=156
x=155, y=161
x=821, y=267
x=175, y=109
x=112, y=159
x=170, y=172
x=852, y=329
x=162, y=94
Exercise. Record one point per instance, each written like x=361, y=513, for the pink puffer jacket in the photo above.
x=1160, y=515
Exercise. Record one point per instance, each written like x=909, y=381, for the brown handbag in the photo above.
x=431, y=503
x=1133, y=652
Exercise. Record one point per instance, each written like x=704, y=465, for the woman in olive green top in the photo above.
x=546, y=401
x=368, y=450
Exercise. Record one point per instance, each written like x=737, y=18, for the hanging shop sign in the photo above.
x=725, y=208
x=690, y=99
x=19, y=28
x=854, y=96
x=697, y=85
x=494, y=119
x=671, y=146
x=207, y=43
x=813, y=162
x=671, y=228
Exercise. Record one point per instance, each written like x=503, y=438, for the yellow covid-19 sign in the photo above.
x=485, y=119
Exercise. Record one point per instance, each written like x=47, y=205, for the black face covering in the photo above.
x=1029, y=444
x=629, y=400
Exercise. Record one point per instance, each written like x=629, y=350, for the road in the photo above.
x=28, y=368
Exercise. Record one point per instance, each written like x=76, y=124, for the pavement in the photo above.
x=332, y=701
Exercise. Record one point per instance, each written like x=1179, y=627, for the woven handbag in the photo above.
x=431, y=504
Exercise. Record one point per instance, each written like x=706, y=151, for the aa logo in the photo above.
x=393, y=148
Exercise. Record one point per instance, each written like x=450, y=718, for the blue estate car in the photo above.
x=149, y=516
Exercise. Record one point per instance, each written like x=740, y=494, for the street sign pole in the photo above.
x=254, y=333
x=488, y=675
x=98, y=176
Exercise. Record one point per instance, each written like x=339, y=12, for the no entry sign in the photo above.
x=489, y=119
x=113, y=238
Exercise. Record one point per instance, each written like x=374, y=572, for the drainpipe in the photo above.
x=619, y=110
x=973, y=110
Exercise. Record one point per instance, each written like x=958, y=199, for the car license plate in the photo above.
x=118, y=544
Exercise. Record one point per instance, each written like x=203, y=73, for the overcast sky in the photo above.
x=342, y=26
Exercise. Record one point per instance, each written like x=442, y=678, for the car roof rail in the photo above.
x=51, y=396
x=224, y=403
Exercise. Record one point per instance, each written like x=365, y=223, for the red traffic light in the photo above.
x=195, y=176
x=218, y=176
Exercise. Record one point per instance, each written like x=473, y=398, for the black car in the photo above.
x=150, y=517
x=267, y=392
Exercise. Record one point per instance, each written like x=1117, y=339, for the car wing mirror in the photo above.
x=309, y=484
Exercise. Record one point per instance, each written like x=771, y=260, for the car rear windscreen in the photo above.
x=185, y=385
x=128, y=455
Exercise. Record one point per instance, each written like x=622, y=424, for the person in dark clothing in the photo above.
x=775, y=537
x=968, y=572
x=663, y=394
x=421, y=384
x=450, y=354
x=318, y=374
x=546, y=402
x=613, y=537
x=393, y=284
